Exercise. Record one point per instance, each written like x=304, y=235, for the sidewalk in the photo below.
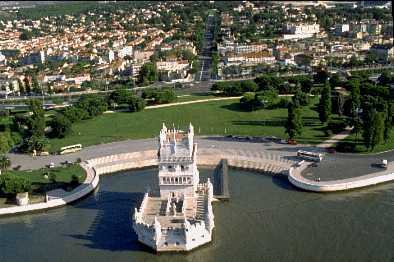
x=336, y=138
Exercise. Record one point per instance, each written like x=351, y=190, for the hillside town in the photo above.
x=196, y=131
x=94, y=49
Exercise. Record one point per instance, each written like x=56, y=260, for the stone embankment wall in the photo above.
x=253, y=160
x=57, y=198
x=295, y=177
x=258, y=161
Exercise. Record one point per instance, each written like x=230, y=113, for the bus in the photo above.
x=70, y=149
x=310, y=155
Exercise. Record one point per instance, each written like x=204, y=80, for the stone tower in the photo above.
x=178, y=173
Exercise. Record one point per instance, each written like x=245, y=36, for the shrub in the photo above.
x=136, y=104
x=13, y=184
x=74, y=180
x=94, y=105
x=75, y=114
x=336, y=126
x=249, y=101
x=163, y=96
x=283, y=103
x=61, y=126
x=52, y=177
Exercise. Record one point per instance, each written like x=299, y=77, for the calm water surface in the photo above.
x=266, y=220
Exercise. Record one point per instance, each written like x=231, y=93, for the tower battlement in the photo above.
x=181, y=218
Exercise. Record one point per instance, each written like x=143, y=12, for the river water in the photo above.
x=266, y=219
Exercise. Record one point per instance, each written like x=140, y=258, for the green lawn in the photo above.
x=359, y=146
x=63, y=174
x=185, y=98
x=217, y=117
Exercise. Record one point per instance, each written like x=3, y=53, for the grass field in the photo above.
x=63, y=174
x=359, y=146
x=210, y=118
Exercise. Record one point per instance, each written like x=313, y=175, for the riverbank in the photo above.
x=297, y=179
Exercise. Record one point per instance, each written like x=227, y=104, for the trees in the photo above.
x=5, y=162
x=14, y=184
x=377, y=129
x=324, y=107
x=21, y=87
x=148, y=74
x=249, y=86
x=27, y=85
x=75, y=114
x=267, y=98
x=300, y=98
x=5, y=142
x=335, y=81
x=136, y=104
x=386, y=78
x=163, y=96
x=249, y=101
x=306, y=84
x=36, y=123
x=389, y=121
x=294, y=121
x=93, y=105
x=371, y=121
x=35, y=85
x=121, y=96
x=61, y=126
x=321, y=76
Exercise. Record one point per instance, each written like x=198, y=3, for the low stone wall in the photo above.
x=250, y=160
x=257, y=161
x=295, y=177
x=61, y=197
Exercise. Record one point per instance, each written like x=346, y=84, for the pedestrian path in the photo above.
x=332, y=141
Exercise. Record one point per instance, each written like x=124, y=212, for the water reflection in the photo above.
x=266, y=219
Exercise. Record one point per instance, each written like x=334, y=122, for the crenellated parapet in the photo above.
x=181, y=217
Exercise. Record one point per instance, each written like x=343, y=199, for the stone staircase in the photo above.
x=201, y=207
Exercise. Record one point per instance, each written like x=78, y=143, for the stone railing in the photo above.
x=258, y=161
x=295, y=177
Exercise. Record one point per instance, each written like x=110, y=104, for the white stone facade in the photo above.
x=180, y=217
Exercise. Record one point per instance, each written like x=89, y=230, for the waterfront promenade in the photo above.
x=265, y=157
x=297, y=179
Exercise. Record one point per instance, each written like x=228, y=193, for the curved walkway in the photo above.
x=59, y=197
x=295, y=177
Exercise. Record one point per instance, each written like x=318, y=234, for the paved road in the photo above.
x=204, y=74
x=334, y=166
x=29, y=162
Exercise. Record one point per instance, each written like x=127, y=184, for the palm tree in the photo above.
x=5, y=162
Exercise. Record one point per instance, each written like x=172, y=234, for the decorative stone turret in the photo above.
x=181, y=217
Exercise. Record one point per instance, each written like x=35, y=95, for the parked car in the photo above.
x=291, y=142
